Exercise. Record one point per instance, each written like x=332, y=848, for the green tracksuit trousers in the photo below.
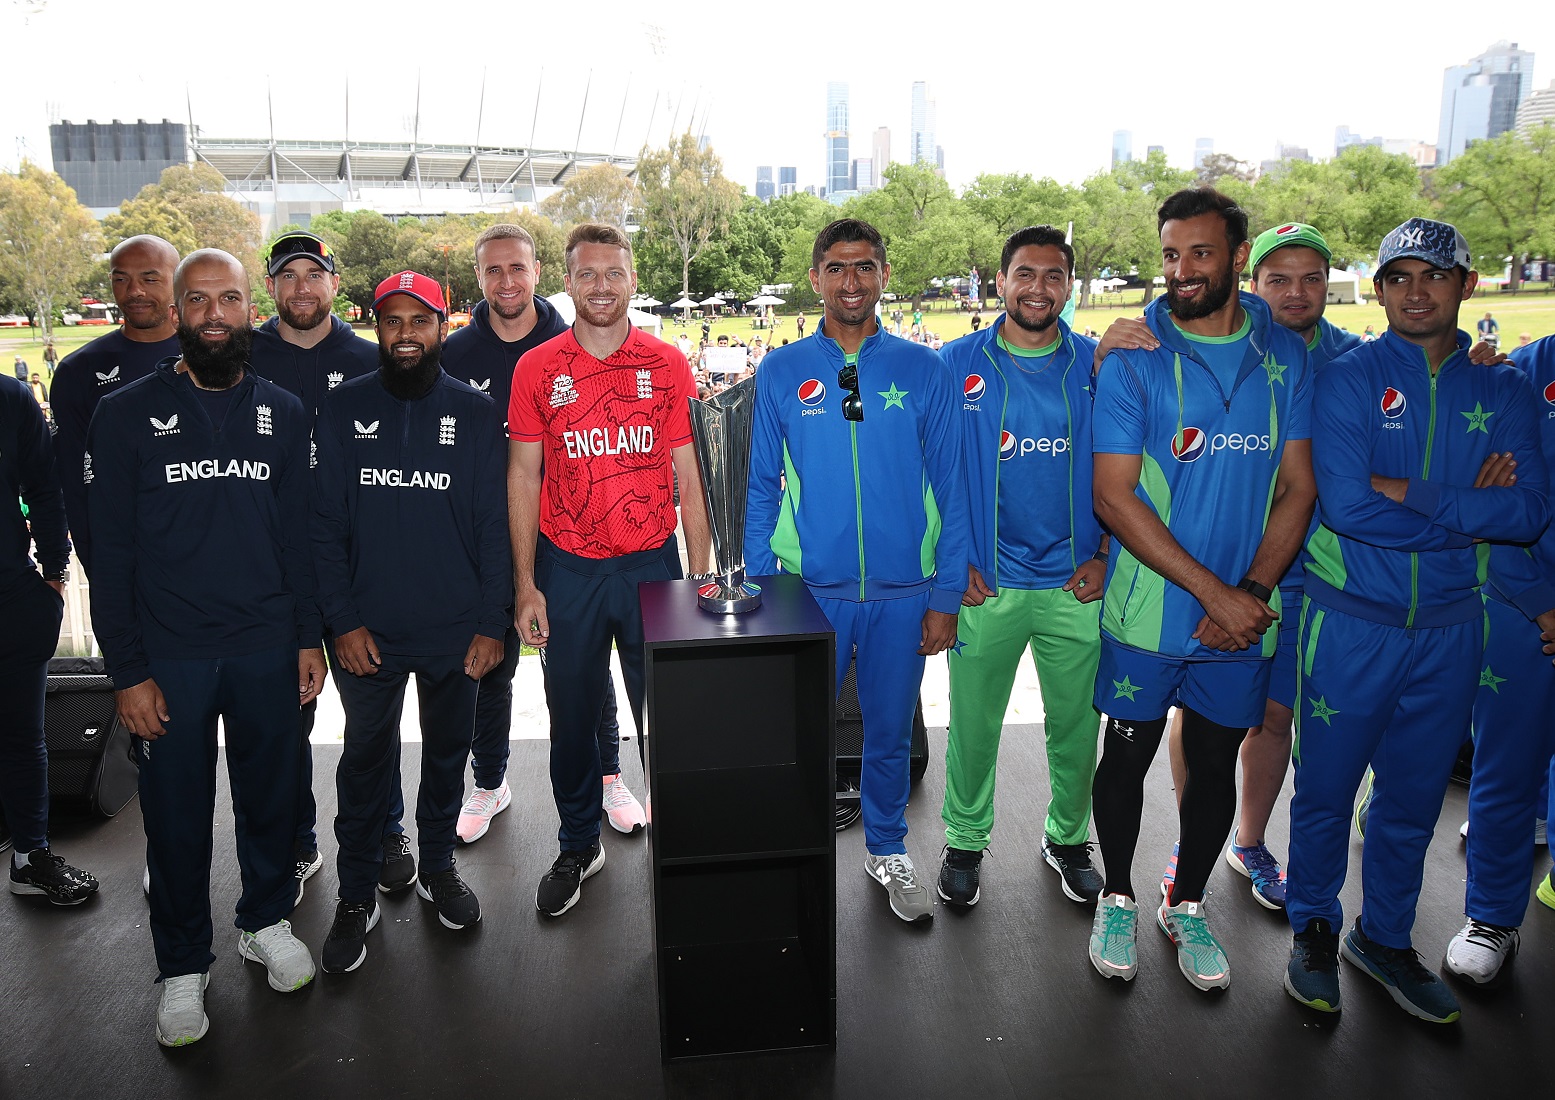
x=1065, y=641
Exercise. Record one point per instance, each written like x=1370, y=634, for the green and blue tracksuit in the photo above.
x=873, y=516
x=1393, y=624
x=1514, y=738
x=1026, y=437
x=1211, y=450
x=1328, y=342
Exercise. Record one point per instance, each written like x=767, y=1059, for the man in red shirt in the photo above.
x=600, y=431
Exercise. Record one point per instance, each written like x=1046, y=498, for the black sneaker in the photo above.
x=1082, y=882
x=1312, y=975
x=399, y=866
x=346, y=948
x=958, y=877
x=48, y=874
x=456, y=905
x=562, y=885
x=307, y=861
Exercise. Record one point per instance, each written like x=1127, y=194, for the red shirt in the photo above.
x=607, y=428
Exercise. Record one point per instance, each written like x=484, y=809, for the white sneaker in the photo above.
x=1477, y=952
x=145, y=882
x=621, y=806
x=910, y=899
x=181, y=1017
x=283, y=955
x=478, y=810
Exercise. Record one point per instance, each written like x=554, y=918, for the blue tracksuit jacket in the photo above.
x=1379, y=410
x=202, y=547
x=991, y=458
x=310, y=373
x=477, y=355
x=1525, y=577
x=410, y=524
x=862, y=511
x=27, y=473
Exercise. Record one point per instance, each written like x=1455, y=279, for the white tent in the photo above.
x=648, y=321
x=1344, y=287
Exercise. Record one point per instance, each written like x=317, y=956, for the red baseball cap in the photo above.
x=420, y=287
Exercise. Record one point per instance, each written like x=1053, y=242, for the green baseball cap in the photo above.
x=1289, y=233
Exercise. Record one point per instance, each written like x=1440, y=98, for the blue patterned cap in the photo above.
x=1437, y=243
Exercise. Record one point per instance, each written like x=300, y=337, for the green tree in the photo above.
x=1006, y=203
x=368, y=248
x=685, y=198
x=1218, y=167
x=1501, y=194
x=49, y=242
x=189, y=208
x=797, y=219
x=739, y=261
x=602, y=193
x=915, y=213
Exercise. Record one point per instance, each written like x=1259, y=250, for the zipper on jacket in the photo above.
x=1425, y=472
x=858, y=506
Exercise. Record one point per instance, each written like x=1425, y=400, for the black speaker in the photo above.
x=850, y=734
x=91, y=756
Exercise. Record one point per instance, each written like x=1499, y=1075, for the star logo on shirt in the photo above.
x=958, y=646
x=1321, y=709
x=1477, y=418
x=893, y=396
x=1123, y=687
x=1276, y=371
x=1488, y=679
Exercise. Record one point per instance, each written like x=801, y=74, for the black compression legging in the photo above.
x=1208, y=798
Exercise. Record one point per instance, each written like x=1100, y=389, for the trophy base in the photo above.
x=723, y=599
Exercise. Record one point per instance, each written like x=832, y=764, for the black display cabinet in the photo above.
x=740, y=738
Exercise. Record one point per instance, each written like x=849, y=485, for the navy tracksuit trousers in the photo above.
x=31, y=613
x=368, y=778
x=591, y=601
x=255, y=696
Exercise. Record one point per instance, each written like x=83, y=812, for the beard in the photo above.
x=409, y=380
x=1018, y=315
x=511, y=313
x=303, y=322
x=216, y=367
x=1216, y=293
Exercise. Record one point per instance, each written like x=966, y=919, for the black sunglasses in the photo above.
x=852, y=404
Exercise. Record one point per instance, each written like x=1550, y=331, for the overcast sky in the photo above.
x=1041, y=93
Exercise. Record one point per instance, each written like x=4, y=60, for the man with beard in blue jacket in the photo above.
x=409, y=486
x=308, y=351
x=1038, y=561
x=860, y=491
x=197, y=484
x=510, y=319
x=1419, y=454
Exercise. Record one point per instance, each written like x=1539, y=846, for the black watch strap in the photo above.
x=1254, y=588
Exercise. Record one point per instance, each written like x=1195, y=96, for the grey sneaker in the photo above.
x=910, y=900
x=181, y=1018
x=283, y=955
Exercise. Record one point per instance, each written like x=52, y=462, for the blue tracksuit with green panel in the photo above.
x=1514, y=738
x=1211, y=431
x=1026, y=419
x=1393, y=624
x=873, y=516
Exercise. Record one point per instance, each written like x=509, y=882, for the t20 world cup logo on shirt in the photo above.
x=1189, y=444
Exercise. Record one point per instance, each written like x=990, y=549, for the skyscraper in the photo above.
x=863, y=175
x=1480, y=97
x=837, y=162
x=1203, y=149
x=788, y=180
x=880, y=147
x=922, y=145
x=764, y=188
x=1536, y=110
x=1122, y=147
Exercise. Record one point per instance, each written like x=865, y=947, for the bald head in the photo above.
x=145, y=249
x=141, y=272
x=204, y=264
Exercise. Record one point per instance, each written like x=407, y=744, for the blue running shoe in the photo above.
x=1312, y=977
x=1418, y=991
x=1263, y=869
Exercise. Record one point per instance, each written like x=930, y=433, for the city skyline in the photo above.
x=698, y=74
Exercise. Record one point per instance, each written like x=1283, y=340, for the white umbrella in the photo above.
x=765, y=300
x=715, y=300
x=645, y=301
x=569, y=312
x=684, y=303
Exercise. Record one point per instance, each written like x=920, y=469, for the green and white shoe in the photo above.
x=1113, y=932
x=1199, y=954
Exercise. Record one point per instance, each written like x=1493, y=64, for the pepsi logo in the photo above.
x=1393, y=403
x=1549, y=393
x=1007, y=444
x=975, y=387
x=1189, y=444
x=1287, y=229
x=812, y=391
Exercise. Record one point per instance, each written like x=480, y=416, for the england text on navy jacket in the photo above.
x=1379, y=410
x=202, y=529
x=27, y=471
x=410, y=524
x=983, y=428
x=477, y=355
x=86, y=376
x=310, y=373
x=870, y=511
x=1525, y=577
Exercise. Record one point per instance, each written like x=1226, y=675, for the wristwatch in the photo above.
x=1251, y=586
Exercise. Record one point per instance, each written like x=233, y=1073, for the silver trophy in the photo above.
x=721, y=433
